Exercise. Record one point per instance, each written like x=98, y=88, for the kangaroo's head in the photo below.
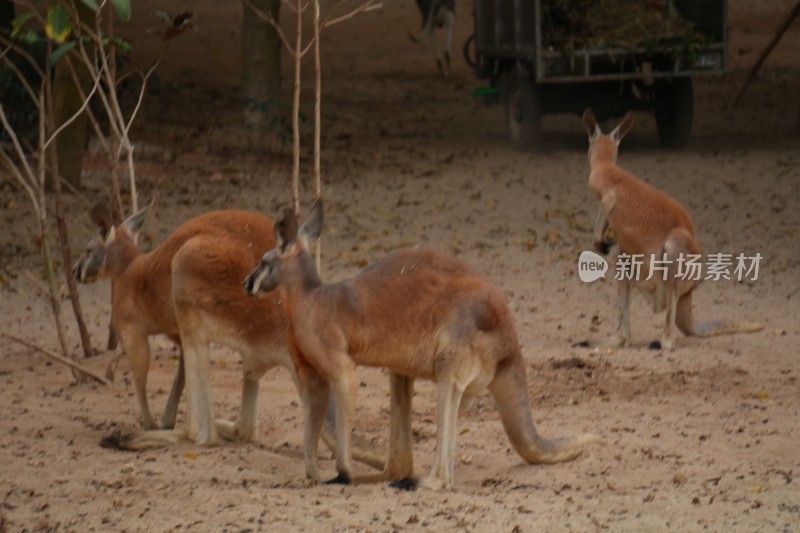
x=289, y=261
x=603, y=147
x=107, y=252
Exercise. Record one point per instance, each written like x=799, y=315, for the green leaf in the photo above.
x=59, y=52
x=91, y=4
x=31, y=37
x=59, y=24
x=122, y=44
x=19, y=21
x=123, y=9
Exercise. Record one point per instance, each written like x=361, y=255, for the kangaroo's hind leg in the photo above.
x=678, y=247
x=622, y=337
x=178, y=383
x=314, y=394
x=137, y=350
x=449, y=394
x=400, y=459
x=202, y=428
x=246, y=425
x=345, y=388
x=447, y=406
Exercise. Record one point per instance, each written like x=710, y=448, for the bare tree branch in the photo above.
x=59, y=358
x=15, y=171
x=74, y=116
x=269, y=19
x=22, y=157
x=13, y=67
x=369, y=5
x=317, y=120
x=296, y=115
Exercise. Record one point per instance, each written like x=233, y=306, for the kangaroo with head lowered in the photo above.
x=649, y=223
x=189, y=289
x=420, y=314
x=437, y=14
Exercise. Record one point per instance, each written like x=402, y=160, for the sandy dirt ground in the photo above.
x=700, y=438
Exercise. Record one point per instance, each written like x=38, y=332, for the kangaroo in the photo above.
x=646, y=222
x=420, y=314
x=437, y=14
x=189, y=289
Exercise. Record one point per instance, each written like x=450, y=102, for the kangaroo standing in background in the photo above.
x=437, y=14
x=421, y=315
x=189, y=289
x=646, y=222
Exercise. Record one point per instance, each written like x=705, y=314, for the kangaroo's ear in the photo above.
x=102, y=217
x=312, y=226
x=590, y=123
x=135, y=222
x=280, y=244
x=285, y=229
x=624, y=127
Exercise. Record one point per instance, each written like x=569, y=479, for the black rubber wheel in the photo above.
x=471, y=54
x=523, y=110
x=674, y=112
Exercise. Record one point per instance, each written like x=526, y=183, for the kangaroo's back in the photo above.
x=428, y=301
x=250, y=229
x=640, y=205
x=231, y=242
x=213, y=254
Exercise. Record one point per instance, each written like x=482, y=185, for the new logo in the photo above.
x=591, y=266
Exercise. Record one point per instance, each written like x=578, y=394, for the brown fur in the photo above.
x=646, y=221
x=190, y=289
x=186, y=289
x=420, y=314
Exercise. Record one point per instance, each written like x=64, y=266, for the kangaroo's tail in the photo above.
x=710, y=328
x=688, y=326
x=511, y=394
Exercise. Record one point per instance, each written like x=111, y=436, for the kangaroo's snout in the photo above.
x=250, y=285
x=257, y=281
x=81, y=272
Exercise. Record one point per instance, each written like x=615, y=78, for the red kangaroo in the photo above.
x=420, y=314
x=190, y=289
x=648, y=223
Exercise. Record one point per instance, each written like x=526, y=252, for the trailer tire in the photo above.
x=674, y=112
x=523, y=110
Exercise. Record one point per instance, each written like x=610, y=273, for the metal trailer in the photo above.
x=534, y=80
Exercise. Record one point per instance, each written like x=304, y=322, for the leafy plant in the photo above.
x=68, y=42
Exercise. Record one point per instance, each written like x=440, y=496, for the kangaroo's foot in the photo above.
x=407, y=484
x=617, y=340
x=667, y=343
x=232, y=431
x=144, y=440
x=340, y=479
x=431, y=483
